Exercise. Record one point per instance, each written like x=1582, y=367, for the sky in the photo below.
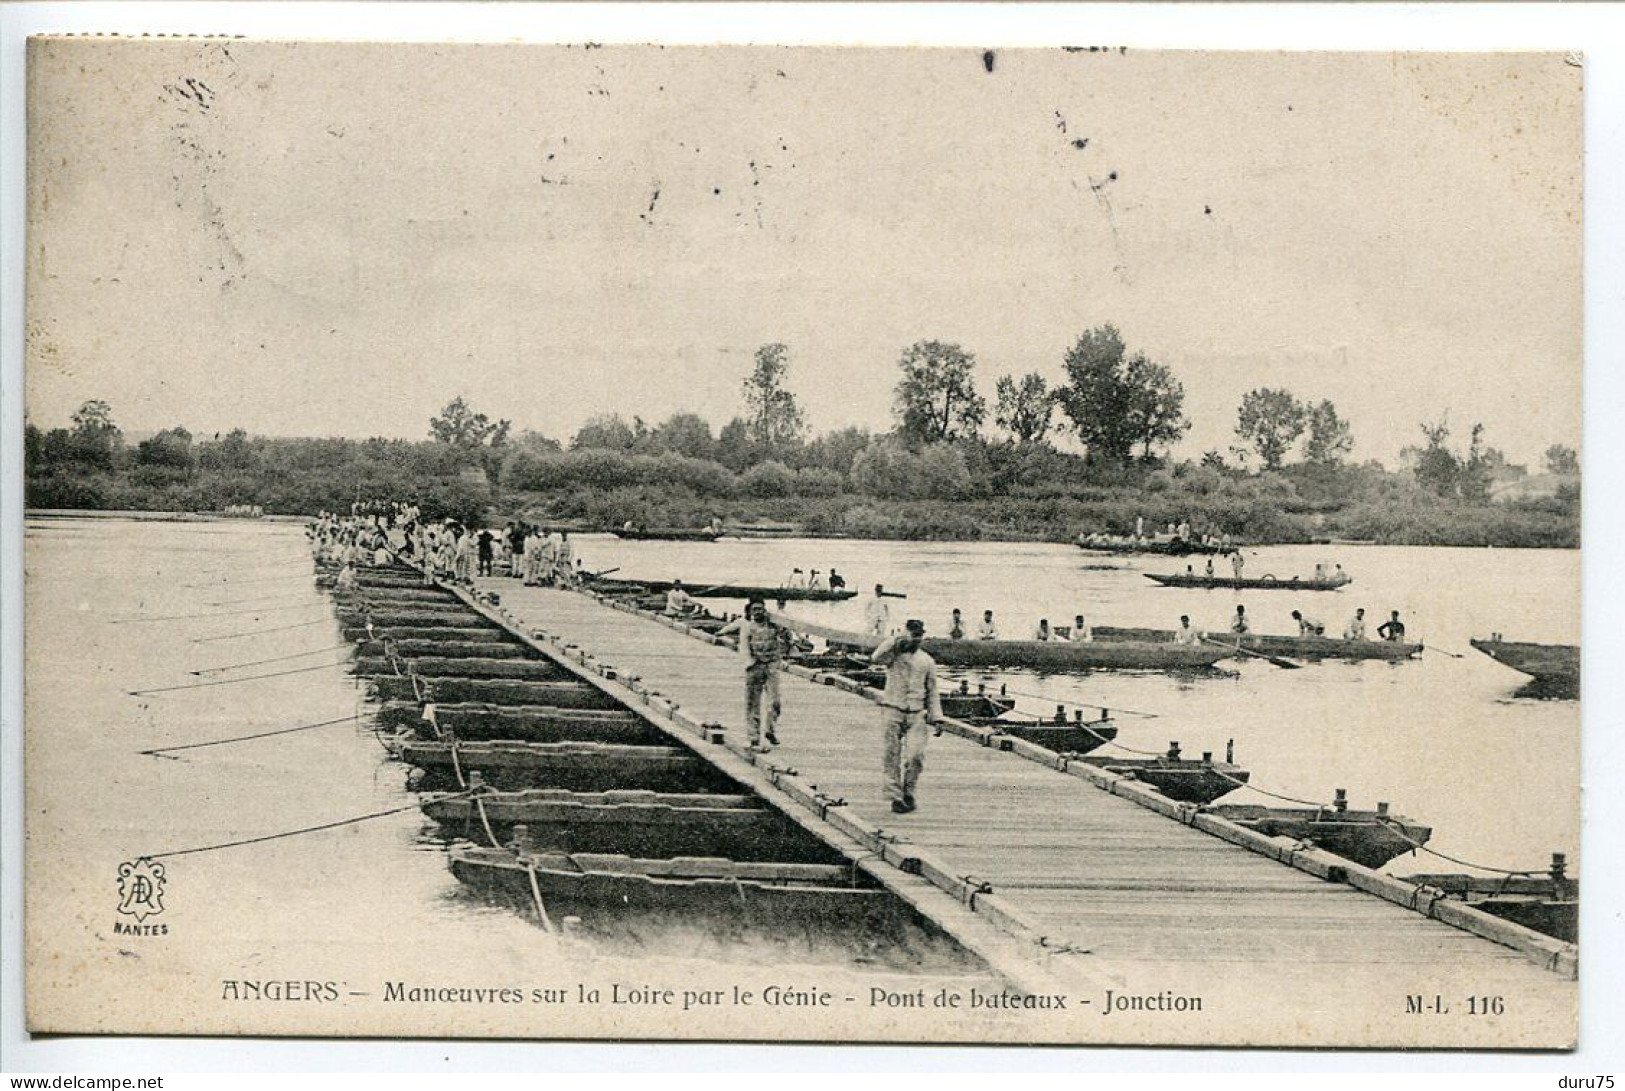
x=301, y=238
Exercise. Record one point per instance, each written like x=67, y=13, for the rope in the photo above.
x=285, y=833
x=219, y=613
x=244, y=738
x=536, y=893
x=1005, y=690
x=229, y=681
x=456, y=764
x=1273, y=795
x=279, y=597
x=257, y=632
x=1408, y=839
x=274, y=659
x=479, y=805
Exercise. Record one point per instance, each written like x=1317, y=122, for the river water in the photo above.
x=1441, y=739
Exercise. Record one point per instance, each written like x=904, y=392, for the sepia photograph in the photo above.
x=1068, y=545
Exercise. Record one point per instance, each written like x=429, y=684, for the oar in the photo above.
x=892, y=594
x=1441, y=651
x=1284, y=664
x=600, y=575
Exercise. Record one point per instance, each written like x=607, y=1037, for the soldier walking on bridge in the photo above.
x=910, y=702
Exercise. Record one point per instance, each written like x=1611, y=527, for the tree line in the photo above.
x=1098, y=439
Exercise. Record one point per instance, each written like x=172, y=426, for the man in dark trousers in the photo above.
x=908, y=706
x=487, y=551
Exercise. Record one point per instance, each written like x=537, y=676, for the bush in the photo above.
x=768, y=479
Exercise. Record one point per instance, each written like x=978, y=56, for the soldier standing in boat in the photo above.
x=1308, y=626
x=956, y=625
x=1237, y=562
x=1392, y=630
x=908, y=705
x=1185, y=634
x=763, y=645
x=1238, y=624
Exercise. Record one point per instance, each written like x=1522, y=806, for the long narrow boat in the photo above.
x=1039, y=655
x=1547, y=903
x=1554, y=667
x=1184, y=779
x=1249, y=583
x=438, y=668
x=1167, y=547
x=521, y=723
x=450, y=648
x=1369, y=838
x=1296, y=647
x=494, y=691
x=722, y=590
x=640, y=823
x=483, y=633
x=669, y=534
x=574, y=765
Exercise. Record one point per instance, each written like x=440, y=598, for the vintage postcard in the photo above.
x=1073, y=545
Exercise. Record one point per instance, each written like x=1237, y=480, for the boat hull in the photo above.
x=1554, y=667
x=1358, y=836
x=523, y=723
x=575, y=766
x=1261, y=583
x=1183, y=780
x=497, y=691
x=1296, y=647
x=722, y=591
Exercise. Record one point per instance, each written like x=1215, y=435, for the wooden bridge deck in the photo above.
x=1146, y=896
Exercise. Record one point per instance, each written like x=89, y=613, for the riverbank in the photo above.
x=1531, y=524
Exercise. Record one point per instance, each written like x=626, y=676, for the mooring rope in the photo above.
x=278, y=597
x=158, y=750
x=220, y=613
x=1403, y=836
x=286, y=833
x=231, y=681
x=1005, y=690
x=258, y=632
x=273, y=659
x=536, y=893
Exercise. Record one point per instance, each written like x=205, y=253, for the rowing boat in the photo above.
x=1556, y=667
x=1039, y=655
x=1369, y=838
x=1167, y=547
x=722, y=590
x=1183, y=779
x=574, y=765
x=495, y=691
x=669, y=534
x=1296, y=647
x=1249, y=583
x=633, y=821
x=543, y=723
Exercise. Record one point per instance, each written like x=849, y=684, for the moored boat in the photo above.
x=611, y=586
x=1167, y=547
x=1184, y=779
x=1368, y=838
x=544, y=723
x=576, y=766
x=562, y=693
x=1248, y=583
x=669, y=534
x=1548, y=903
x=1296, y=647
x=636, y=822
x=1554, y=667
x=438, y=668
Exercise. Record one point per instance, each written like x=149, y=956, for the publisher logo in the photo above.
x=141, y=889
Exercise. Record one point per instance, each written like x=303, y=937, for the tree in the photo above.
x=1117, y=403
x=170, y=449
x=1477, y=468
x=1156, y=404
x=1329, y=436
x=94, y=418
x=1562, y=460
x=459, y=426
x=1437, y=470
x=686, y=434
x=936, y=399
x=1024, y=407
x=607, y=431
x=773, y=419
x=1270, y=420
x=735, y=449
